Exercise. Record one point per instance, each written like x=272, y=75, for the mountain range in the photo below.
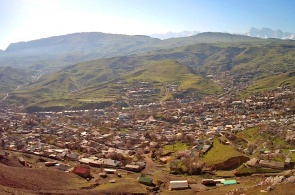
x=253, y=32
x=59, y=51
x=86, y=70
x=269, y=33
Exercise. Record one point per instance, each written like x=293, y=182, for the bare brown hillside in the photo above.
x=23, y=179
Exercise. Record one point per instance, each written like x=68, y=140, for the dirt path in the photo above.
x=150, y=165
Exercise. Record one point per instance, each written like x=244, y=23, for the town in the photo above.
x=174, y=136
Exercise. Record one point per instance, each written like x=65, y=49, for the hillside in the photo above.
x=15, y=180
x=10, y=79
x=170, y=71
x=68, y=49
x=102, y=81
x=236, y=57
x=242, y=62
x=59, y=51
x=271, y=82
x=96, y=82
x=17, y=177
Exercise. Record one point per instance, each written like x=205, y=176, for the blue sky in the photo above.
x=23, y=20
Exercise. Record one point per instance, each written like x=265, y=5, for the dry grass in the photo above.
x=22, y=178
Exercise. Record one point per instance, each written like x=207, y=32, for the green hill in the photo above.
x=10, y=79
x=170, y=71
x=97, y=81
x=60, y=51
x=236, y=60
x=271, y=82
x=244, y=61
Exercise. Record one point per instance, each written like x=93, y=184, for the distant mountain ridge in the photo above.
x=253, y=32
x=59, y=51
x=44, y=56
x=269, y=33
x=169, y=35
x=102, y=81
x=80, y=44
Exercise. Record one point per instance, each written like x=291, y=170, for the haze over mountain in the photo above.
x=253, y=32
x=174, y=34
x=29, y=20
x=269, y=33
x=59, y=51
x=100, y=81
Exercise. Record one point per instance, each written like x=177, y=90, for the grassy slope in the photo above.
x=254, y=135
x=170, y=71
x=94, y=79
x=220, y=153
x=271, y=82
x=10, y=78
x=251, y=135
x=176, y=147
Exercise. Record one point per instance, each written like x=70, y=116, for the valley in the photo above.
x=201, y=67
x=212, y=113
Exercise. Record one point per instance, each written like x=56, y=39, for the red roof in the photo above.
x=81, y=170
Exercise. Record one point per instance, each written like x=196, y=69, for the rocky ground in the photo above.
x=18, y=179
x=281, y=184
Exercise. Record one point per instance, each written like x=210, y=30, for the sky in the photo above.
x=24, y=20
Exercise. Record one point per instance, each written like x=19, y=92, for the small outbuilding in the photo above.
x=229, y=182
x=110, y=171
x=95, y=163
x=145, y=180
x=179, y=185
x=83, y=172
x=208, y=182
x=134, y=168
x=50, y=164
x=64, y=167
x=103, y=175
x=22, y=161
x=253, y=162
x=288, y=161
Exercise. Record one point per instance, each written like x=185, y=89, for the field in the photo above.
x=176, y=147
x=251, y=134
